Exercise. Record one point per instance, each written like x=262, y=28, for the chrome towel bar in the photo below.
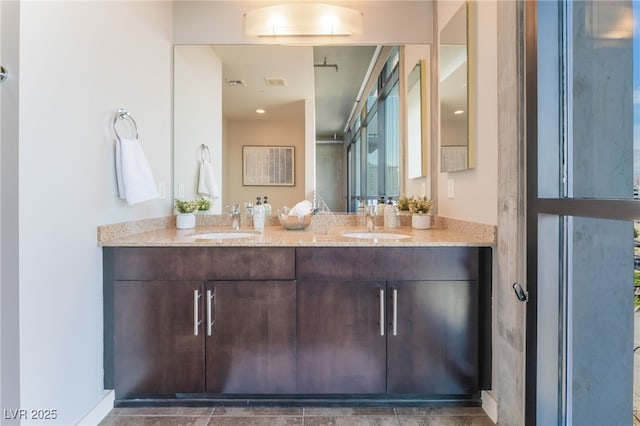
x=122, y=114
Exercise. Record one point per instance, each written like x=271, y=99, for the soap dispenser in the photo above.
x=267, y=206
x=258, y=215
x=380, y=207
x=390, y=215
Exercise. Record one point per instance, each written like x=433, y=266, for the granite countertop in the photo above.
x=314, y=236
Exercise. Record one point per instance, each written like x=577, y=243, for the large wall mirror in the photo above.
x=218, y=90
x=457, y=142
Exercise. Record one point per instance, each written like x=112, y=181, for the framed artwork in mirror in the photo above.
x=268, y=165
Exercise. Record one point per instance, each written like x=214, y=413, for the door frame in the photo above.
x=614, y=209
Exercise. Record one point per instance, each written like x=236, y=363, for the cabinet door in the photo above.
x=156, y=349
x=433, y=344
x=341, y=347
x=252, y=344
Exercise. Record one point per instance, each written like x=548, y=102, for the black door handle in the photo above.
x=520, y=293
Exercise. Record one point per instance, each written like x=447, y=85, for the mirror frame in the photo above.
x=471, y=83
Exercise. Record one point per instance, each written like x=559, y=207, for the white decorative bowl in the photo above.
x=294, y=223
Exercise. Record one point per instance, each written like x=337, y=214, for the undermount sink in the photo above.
x=222, y=235
x=376, y=235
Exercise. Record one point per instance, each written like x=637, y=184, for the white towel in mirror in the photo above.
x=135, y=180
x=303, y=208
x=207, y=184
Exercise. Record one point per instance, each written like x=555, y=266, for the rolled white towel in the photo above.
x=302, y=208
x=135, y=180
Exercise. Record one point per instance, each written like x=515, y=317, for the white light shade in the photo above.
x=302, y=19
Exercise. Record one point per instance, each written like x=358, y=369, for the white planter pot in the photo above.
x=421, y=221
x=185, y=220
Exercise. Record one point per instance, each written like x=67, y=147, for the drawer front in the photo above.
x=387, y=263
x=204, y=263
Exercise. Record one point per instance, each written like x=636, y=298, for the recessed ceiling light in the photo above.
x=458, y=112
x=231, y=82
x=260, y=111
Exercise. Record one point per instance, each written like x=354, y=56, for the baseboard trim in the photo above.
x=100, y=411
x=490, y=406
x=297, y=400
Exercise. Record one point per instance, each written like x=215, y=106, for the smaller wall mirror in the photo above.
x=456, y=140
x=417, y=121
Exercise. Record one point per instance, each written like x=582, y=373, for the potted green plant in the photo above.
x=185, y=218
x=204, y=204
x=403, y=203
x=420, y=207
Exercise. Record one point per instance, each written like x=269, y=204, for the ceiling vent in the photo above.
x=276, y=82
x=231, y=82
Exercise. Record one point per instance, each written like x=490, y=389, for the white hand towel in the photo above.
x=207, y=185
x=135, y=180
x=303, y=208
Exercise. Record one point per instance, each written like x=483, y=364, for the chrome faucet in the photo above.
x=370, y=218
x=234, y=212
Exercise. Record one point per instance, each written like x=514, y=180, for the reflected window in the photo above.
x=372, y=156
x=392, y=136
x=374, y=149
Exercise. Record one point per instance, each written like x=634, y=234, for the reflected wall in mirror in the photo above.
x=417, y=121
x=456, y=141
x=218, y=90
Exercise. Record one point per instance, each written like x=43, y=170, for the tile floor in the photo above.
x=235, y=416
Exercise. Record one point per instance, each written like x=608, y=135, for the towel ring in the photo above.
x=122, y=114
x=204, y=149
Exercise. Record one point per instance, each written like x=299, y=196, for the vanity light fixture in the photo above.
x=302, y=19
x=260, y=111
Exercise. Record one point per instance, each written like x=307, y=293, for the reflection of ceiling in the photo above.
x=337, y=91
x=255, y=63
x=334, y=92
x=452, y=57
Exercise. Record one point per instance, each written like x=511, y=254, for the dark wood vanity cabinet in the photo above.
x=432, y=337
x=252, y=344
x=428, y=302
x=210, y=325
x=156, y=349
x=340, y=347
x=427, y=342
x=297, y=321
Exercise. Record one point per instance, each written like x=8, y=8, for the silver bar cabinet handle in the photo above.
x=382, y=312
x=395, y=311
x=210, y=296
x=196, y=320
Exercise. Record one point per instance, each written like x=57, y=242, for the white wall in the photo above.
x=197, y=117
x=9, y=288
x=281, y=132
x=1, y=307
x=475, y=190
x=79, y=62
